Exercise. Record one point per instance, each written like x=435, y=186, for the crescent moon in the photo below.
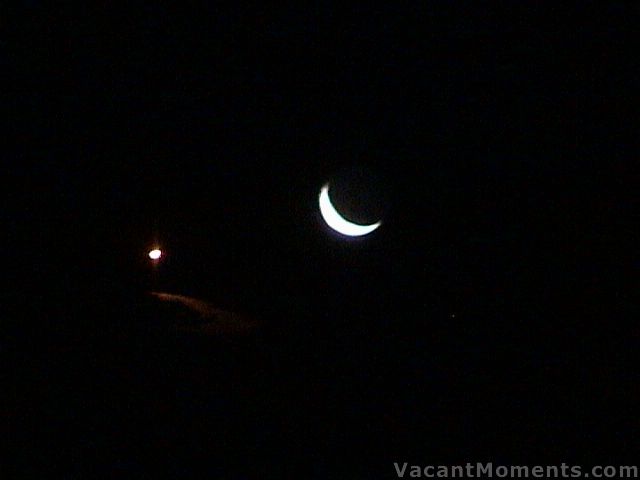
x=337, y=222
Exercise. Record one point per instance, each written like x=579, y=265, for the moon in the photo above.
x=337, y=222
x=155, y=254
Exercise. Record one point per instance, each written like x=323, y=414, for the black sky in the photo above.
x=491, y=315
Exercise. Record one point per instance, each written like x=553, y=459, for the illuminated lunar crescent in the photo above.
x=337, y=222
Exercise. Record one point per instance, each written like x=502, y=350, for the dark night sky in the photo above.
x=490, y=316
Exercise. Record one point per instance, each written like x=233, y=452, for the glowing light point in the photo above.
x=155, y=254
